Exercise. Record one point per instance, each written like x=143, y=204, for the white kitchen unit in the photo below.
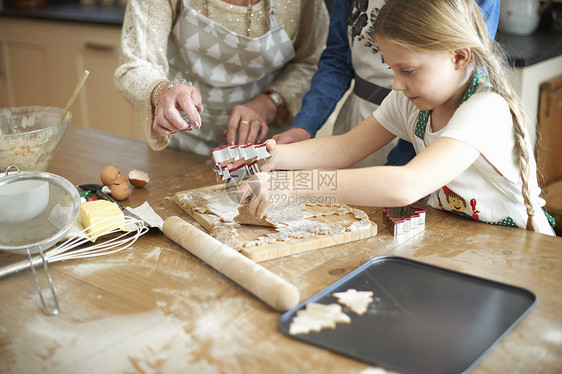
x=527, y=81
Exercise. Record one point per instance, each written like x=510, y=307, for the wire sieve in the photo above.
x=37, y=210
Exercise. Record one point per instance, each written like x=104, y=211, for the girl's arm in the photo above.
x=331, y=152
x=431, y=169
x=380, y=186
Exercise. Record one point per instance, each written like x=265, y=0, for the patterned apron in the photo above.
x=369, y=66
x=227, y=68
x=447, y=199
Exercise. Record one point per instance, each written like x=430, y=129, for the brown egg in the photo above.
x=138, y=178
x=108, y=174
x=121, y=178
x=119, y=190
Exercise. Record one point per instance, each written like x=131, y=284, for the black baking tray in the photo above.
x=423, y=318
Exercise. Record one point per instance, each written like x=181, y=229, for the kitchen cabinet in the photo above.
x=41, y=61
x=549, y=153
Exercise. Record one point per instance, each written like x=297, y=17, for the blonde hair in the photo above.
x=446, y=25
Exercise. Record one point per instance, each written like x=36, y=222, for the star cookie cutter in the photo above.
x=237, y=162
x=401, y=220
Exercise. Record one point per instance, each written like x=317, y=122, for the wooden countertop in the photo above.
x=154, y=308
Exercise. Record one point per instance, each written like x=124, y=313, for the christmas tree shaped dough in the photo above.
x=315, y=317
x=357, y=301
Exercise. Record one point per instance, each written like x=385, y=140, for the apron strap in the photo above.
x=272, y=15
x=478, y=76
x=369, y=91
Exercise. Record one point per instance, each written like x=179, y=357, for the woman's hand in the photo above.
x=173, y=102
x=250, y=121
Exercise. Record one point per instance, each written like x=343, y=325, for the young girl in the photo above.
x=451, y=99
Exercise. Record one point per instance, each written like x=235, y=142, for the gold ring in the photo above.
x=244, y=122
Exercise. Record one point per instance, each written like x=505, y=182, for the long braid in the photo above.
x=492, y=58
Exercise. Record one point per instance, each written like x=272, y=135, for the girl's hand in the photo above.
x=256, y=191
x=173, y=103
x=249, y=121
x=271, y=146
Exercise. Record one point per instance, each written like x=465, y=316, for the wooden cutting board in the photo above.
x=244, y=237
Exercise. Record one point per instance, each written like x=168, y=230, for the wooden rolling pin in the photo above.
x=270, y=288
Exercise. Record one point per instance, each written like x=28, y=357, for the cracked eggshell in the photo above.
x=138, y=178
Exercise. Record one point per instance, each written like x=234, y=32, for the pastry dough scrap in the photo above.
x=221, y=203
x=357, y=301
x=244, y=217
x=315, y=317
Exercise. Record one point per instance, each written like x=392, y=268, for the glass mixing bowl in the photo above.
x=30, y=136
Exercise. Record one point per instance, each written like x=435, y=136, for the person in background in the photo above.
x=197, y=71
x=351, y=55
x=452, y=100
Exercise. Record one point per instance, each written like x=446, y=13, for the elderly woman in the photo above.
x=197, y=71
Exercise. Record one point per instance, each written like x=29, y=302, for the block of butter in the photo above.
x=100, y=216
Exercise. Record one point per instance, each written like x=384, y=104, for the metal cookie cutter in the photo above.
x=404, y=219
x=238, y=162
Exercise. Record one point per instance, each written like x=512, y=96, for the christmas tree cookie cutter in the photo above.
x=401, y=220
x=237, y=162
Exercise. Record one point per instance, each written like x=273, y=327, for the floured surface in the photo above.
x=294, y=228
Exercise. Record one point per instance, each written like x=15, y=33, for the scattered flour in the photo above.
x=148, y=342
